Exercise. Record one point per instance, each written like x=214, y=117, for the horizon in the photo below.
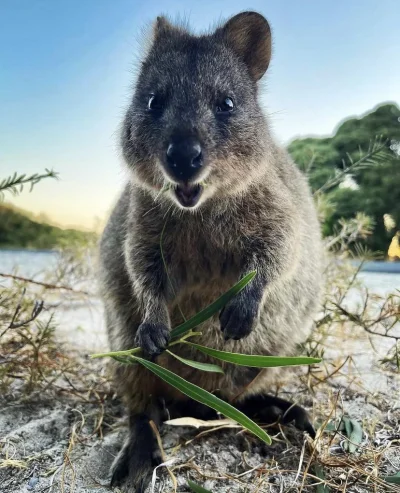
x=98, y=222
x=68, y=75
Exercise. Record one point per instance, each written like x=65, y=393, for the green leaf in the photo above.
x=393, y=479
x=197, y=488
x=329, y=427
x=255, y=360
x=215, y=307
x=193, y=322
x=117, y=354
x=198, y=365
x=201, y=395
x=319, y=472
x=124, y=360
x=354, y=433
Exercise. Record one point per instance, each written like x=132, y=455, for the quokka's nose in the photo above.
x=184, y=158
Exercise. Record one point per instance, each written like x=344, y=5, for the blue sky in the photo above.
x=66, y=69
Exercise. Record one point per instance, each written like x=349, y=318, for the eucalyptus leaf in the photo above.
x=254, y=360
x=193, y=322
x=197, y=488
x=197, y=364
x=201, y=395
x=125, y=360
x=215, y=307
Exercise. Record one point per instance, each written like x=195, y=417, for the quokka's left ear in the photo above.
x=249, y=35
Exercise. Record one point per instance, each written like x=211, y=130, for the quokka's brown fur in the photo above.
x=255, y=213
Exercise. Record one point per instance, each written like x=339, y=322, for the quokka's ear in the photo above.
x=249, y=35
x=163, y=27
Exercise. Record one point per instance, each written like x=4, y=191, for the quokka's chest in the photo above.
x=200, y=258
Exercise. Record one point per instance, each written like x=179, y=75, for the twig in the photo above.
x=37, y=308
x=44, y=284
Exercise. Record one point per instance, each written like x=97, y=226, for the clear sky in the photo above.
x=66, y=68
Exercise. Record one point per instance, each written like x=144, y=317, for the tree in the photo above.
x=377, y=188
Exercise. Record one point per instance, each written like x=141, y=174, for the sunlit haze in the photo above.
x=66, y=70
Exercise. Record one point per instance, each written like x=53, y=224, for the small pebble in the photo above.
x=32, y=483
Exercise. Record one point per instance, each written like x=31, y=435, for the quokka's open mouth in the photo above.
x=188, y=195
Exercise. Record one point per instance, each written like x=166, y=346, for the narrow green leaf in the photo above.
x=253, y=359
x=319, y=472
x=193, y=322
x=197, y=488
x=201, y=395
x=210, y=310
x=117, y=354
x=127, y=360
x=393, y=479
x=197, y=364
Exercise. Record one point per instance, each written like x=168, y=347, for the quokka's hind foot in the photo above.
x=138, y=457
x=190, y=408
x=270, y=409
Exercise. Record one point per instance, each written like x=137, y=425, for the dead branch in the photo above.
x=44, y=284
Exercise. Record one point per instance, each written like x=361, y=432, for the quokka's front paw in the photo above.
x=238, y=317
x=152, y=338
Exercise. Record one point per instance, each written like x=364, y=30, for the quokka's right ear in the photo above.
x=163, y=27
x=249, y=35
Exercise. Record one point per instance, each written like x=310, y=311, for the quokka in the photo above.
x=204, y=167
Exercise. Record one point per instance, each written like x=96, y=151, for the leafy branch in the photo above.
x=180, y=334
x=376, y=154
x=16, y=182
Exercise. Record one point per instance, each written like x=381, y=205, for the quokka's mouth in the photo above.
x=188, y=195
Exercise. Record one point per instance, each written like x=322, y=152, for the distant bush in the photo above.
x=19, y=231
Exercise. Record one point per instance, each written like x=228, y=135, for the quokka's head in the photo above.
x=194, y=129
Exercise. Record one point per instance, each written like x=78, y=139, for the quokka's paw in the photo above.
x=152, y=338
x=238, y=317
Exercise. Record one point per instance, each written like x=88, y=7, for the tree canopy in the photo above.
x=373, y=189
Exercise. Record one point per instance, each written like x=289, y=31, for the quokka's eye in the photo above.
x=225, y=107
x=154, y=103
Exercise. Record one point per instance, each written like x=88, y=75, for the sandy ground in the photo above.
x=64, y=439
